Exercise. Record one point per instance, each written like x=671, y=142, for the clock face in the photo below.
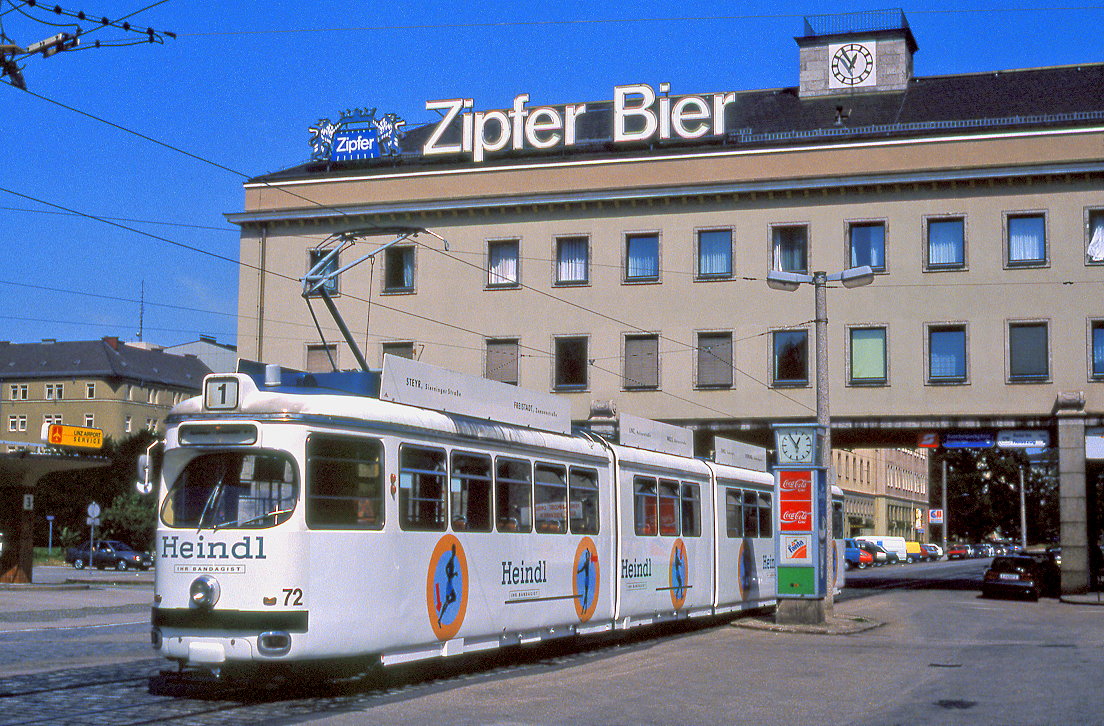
x=852, y=64
x=795, y=447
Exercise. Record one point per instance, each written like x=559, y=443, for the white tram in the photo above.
x=302, y=524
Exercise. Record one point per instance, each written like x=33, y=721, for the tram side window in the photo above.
x=583, y=493
x=751, y=515
x=646, y=505
x=765, y=528
x=691, y=510
x=513, y=495
x=837, y=519
x=471, y=492
x=734, y=512
x=344, y=483
x=422, y=489
x=550, y=498
x=669, y=514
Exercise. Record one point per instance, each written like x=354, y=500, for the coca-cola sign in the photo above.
x=795, y=486
x=795, y=516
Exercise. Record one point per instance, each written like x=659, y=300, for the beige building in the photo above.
x=618, y=250
x=104, y=384
x=885, y=492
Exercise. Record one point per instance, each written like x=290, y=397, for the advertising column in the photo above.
x=801, y=569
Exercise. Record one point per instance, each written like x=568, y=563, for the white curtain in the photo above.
x=1096, y=242
x=571, y=260
x=503, y=264
x=715, y=252
x=945, y=242
x=1026, y=239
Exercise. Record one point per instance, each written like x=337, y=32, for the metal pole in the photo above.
x=946, y=514
x=824, y=423
x=1023, y=512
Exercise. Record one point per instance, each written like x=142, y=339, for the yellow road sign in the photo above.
x=60, y=435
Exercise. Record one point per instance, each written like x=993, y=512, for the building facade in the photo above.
x=885, y=492
x=618, y=250
x=104, y=384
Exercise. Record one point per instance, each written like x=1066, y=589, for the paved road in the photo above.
x=943, y=655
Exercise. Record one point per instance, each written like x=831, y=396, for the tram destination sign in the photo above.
x=427, y=386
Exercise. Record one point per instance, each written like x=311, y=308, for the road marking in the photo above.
x=74, y=627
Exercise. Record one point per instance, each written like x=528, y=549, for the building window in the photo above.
x=398, y=269
x=715, y=360
x=502, y=361
x=19, y=392
x=641, y=361
x=791, y=357
x=149, y=424
x=714, y=253
x=1027, y=239
x=1096, y=343
x=1028, y=352
x=571, y=363
x=52, y=419
x=90, y=390
x=867, y=243
x=947, y=243
x=502, y=263
x=321, y=357
x=151, y=396
x=868, y=355
x=947, y=354
x=90, y=420
x=1094, y=237
x=790, y=248
x=572, y=260
x=316, y=256
x=642, y=257
x=401, y=350
x=55, y=391
x=128, y=424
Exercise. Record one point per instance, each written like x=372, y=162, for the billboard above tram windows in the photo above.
x=736, y=453
x=643, y=433
x=427, y=386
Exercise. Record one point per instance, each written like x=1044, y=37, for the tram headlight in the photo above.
x=204, y=592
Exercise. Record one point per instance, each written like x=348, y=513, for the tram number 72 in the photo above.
x=293, y=597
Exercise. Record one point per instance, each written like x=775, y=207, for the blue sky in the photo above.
x=242, y=82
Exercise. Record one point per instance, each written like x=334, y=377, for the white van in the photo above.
x=896, y=545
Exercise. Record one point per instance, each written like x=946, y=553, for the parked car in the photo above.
x=108, y=553
x=913, y=552
x=880, y=556
x=894, y=546
x=856, y=557
x=1018, y=575
x=959, y=552
x=931, y=552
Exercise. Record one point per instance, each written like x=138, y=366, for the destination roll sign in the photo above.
x=639, y=114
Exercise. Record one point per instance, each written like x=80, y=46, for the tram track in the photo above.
x=136, y=692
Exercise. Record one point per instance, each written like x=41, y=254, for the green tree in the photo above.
x=67, y=494
x=983, y=495
x=131, y=518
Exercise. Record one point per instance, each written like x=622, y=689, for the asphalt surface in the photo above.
x=934, y=653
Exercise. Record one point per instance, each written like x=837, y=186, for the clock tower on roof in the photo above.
x=855, y=53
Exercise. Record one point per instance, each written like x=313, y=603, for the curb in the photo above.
x=1096, y=598
x=834, y=625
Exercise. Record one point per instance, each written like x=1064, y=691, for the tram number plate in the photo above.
x=221, y=394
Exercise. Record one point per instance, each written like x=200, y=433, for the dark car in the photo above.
x=1018, y=575
x=931, y=552
x=108, y=553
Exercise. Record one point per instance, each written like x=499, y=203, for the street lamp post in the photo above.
x=789, y=282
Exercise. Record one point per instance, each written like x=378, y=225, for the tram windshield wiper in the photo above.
x=244, y=522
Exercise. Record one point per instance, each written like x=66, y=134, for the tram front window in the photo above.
x=232, y=490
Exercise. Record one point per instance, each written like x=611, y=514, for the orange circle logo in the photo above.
x=679, y=574
x=585, y=579
x=447, y=587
